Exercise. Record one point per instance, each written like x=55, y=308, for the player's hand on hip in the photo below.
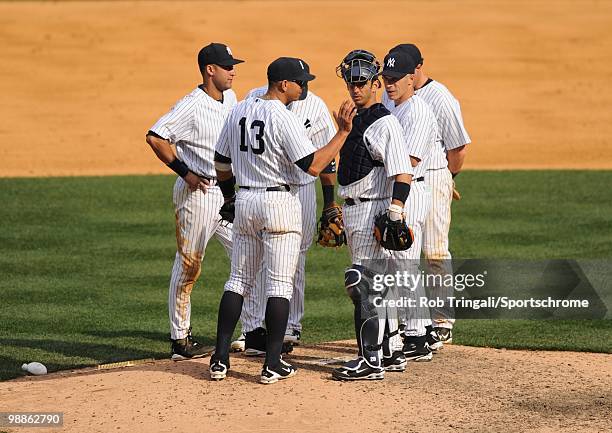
x=345, y=115
x=196, y=182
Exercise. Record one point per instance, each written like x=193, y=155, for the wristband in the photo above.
x=179, y=167
x=328, y=195
x=227, y=187
x=401, y=191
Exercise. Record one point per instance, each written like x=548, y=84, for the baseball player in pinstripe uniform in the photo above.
x=421, y=131
x=375, y=176
x=453, y=139
x=319, y=125
x=263, y=143
x=193, y=126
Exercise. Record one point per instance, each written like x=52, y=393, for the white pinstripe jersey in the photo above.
x=447, y=110
x=193, y=125
x=264, y=139
x=385, y=141
x=421, y=133
x=315, y=117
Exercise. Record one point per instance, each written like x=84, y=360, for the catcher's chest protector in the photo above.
x=355, y=159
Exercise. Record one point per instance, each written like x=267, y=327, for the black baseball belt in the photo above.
x=270, y=188
x=352, y=202
x=211, y=180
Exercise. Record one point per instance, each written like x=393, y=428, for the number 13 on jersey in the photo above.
x=258, y=147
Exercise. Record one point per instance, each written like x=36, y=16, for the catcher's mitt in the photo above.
x=331, y=227
x=392, y=235
x=456, y=193
x=228, y=211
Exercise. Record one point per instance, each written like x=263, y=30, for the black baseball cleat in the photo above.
x=416, y=349
x=445, y=335
x=433, y=340
x=358, y=369
x=188, y=348
x=255, y=342
x=283, y=370
x=395, y=362
x=218, y=368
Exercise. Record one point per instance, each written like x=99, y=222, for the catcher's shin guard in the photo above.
x=357, y=283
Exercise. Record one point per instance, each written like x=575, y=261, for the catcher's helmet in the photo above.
x=358, y=66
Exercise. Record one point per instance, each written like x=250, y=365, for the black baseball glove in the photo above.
x=331, y=227
x=392, y=235
x=228, y=211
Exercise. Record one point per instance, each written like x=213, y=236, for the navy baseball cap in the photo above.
x=398, y=64
x=216, y=54
x=290, y=69
x=411, y=49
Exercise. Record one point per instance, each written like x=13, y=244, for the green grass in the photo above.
x=85, y=263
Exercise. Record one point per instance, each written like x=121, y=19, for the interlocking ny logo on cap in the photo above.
x=229, y=51
x=391, y=62
x=301, y=64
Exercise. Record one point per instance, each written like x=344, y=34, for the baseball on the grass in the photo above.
x=35, y=368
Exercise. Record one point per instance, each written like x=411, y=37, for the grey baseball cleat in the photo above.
x=292, y=336
x=445, y=335
x=239, y=344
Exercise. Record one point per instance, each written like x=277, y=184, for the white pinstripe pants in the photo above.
x=435, y=240
x=267, y=232
x=416, y=208
x=253, y=309
x=197, y=220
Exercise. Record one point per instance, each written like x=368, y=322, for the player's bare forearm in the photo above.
x=323, y=156
x=328, y=178
x=224, y=174
x=162, y=148
x=455, y=159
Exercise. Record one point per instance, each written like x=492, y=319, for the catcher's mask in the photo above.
x=359, y=66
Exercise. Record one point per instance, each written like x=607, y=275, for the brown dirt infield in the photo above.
x=81, y=82
x=462, y=389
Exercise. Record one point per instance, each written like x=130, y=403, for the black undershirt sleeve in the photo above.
x=153, y=134
x=222, y=158
x=305, y=162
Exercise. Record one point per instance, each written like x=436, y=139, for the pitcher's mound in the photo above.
x=462, y=389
